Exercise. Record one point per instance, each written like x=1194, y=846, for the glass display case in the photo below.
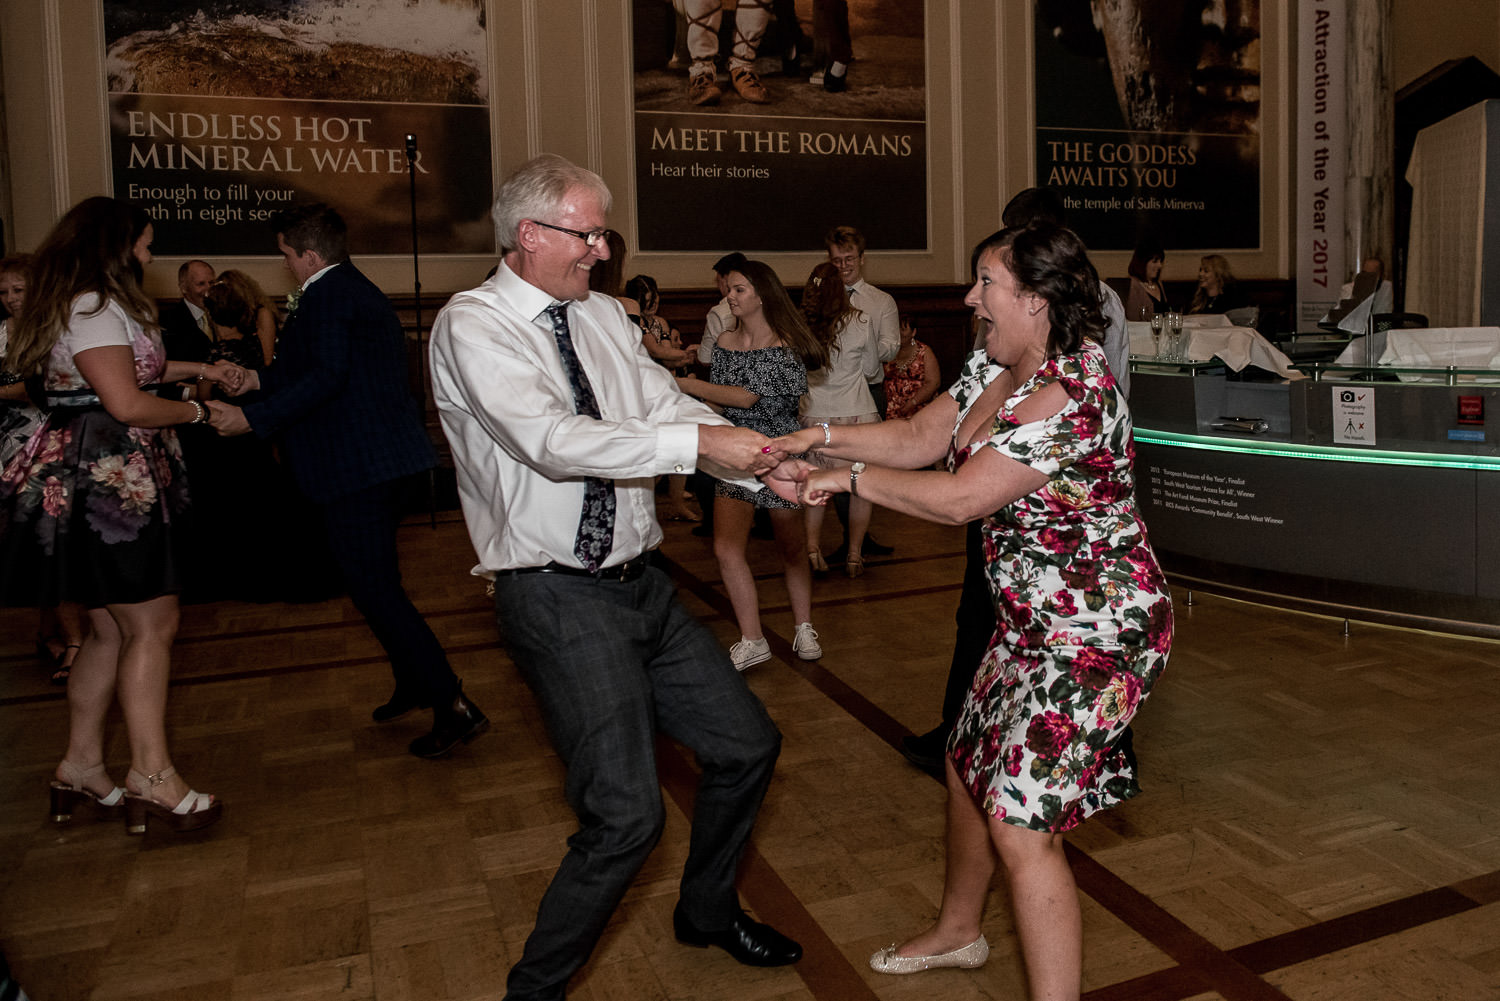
x=1364, y=491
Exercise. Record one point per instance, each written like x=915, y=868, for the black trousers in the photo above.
x=362, y=536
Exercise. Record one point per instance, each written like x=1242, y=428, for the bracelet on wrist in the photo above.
x=827, y=434
x=200, y=412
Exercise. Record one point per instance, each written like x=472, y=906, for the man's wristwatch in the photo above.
x=854, y=471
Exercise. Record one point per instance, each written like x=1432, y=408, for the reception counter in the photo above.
x=1370, y=499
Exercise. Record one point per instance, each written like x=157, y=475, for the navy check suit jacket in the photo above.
x=337, y=392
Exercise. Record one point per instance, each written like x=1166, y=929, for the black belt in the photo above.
x=624, y=572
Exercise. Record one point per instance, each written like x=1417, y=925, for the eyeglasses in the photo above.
x=592, y=238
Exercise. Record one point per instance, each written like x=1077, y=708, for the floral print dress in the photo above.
x=778, y=377
x=1083, y=614
x=903, y=383
x=87, y=505
x=18, y=420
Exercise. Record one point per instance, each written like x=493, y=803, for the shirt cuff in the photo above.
x=676, y=448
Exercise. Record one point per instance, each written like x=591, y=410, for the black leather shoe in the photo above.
x=873, y=548
x=835, y=84
x=399, y=705
x=927, y=751
x=461, y=721
x=746, y=939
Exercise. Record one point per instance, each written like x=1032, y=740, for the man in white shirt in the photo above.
x=846, y=251
x=559, y=423
x=719, y=317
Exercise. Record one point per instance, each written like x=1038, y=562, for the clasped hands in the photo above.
x=775, y=462
x=226, y=418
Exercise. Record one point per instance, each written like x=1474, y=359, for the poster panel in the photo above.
x=1322, y=154
x=1148, y=121
x=219, y=119
x=735, y=173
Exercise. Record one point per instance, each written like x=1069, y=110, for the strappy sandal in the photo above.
x=854, y=565
x=194, y=811
x=65, y=664
x=72, y=789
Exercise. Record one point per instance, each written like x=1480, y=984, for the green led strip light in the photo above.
x=1327, y=453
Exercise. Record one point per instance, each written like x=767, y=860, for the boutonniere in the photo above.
x=292, y=298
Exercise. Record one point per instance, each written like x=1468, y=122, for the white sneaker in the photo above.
x=805, y=643
x=748, y=652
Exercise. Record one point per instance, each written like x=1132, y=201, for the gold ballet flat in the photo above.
x=969, y=957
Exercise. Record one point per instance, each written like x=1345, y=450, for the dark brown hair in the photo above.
x=1052, y=262
x=91, y=249
x=783, y=316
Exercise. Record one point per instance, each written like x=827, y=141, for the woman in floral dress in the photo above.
x=1039, y=445
x=911, y=378
x=88, y=507
x=59, y=634
x=758, y=376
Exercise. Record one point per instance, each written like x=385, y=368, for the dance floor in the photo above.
x=1320, y=821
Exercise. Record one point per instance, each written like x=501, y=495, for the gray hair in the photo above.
x=536, y=191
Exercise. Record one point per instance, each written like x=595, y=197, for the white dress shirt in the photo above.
x=521, y=449
x=880, y=311
x=719, y=319
x=200, y=317
x=843, y=388
x=1116, y=338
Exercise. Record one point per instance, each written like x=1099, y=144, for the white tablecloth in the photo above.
x=1210, y=336
x=1440, y=347
x=1427, y=347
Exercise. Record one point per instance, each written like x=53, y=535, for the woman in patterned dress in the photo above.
x=89, y=506
x=59, y=634
x=911, y=378
x=758, y=375
x=1039, y=445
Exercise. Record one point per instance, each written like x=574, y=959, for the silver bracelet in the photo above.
x=827, y=434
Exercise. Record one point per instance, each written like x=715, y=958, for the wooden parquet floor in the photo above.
x=1321, y=817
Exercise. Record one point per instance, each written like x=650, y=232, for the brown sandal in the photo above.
x=193, y=812
x=71, y=790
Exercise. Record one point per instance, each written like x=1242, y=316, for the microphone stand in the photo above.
x=416, y=277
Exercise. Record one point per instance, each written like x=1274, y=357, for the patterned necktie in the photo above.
x=203, y=325
x=596, y=525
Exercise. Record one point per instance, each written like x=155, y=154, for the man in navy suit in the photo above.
x=337, y=397
x=185, y=331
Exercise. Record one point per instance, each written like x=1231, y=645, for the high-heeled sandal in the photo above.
x=854, y=565
x=71, y=790
x=194, y=811
x=816, y=561
x=65, y=665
